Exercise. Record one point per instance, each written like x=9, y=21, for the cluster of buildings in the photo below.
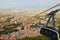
x=26, y=32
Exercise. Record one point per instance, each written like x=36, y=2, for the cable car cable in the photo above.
x=46, y=10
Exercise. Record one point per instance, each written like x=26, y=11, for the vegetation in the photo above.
x=35, y=38
x=8, y=28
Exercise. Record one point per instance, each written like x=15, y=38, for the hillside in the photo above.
x=19, y=19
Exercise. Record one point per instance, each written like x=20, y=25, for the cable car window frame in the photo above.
x=50, y=30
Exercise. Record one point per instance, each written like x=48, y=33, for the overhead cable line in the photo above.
x=46, y=10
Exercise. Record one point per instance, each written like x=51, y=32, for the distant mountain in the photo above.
x=22, y=12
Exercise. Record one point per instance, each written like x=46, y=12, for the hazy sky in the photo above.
x=29, y=4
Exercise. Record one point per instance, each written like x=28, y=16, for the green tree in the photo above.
x=8, y=29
